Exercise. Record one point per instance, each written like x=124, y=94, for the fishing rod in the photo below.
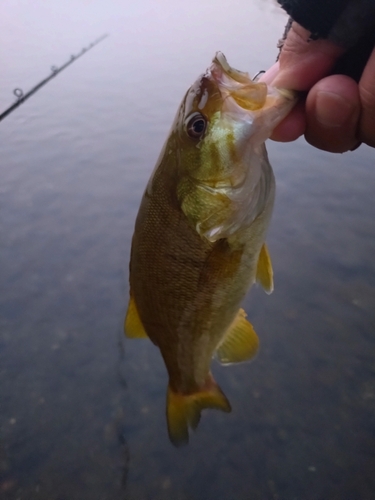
x=21, y=97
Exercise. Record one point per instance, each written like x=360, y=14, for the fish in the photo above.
x=199, y=238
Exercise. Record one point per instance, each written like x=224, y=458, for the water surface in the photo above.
x=82, y=409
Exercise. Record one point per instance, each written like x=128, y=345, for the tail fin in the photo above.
x=184, y=410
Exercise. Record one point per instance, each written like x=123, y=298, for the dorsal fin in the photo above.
x=240, y=342
x=264, y=274
x=133, y=325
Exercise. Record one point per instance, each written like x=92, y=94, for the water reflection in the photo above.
x=74, y=162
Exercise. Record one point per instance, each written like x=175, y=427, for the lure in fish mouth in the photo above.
x=199, y=238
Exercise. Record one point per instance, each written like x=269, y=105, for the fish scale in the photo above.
x=199, y=239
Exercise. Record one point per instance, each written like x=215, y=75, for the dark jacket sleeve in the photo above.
x=317, y=16
x=349, y=23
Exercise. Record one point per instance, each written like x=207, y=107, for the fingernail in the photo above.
x=332, y=110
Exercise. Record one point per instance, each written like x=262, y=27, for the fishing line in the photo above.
x=21, y=97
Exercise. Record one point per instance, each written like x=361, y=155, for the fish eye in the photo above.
x=196, y=126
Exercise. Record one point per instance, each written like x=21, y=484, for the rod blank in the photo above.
x=21, y=97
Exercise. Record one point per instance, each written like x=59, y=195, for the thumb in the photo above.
x=303, y=61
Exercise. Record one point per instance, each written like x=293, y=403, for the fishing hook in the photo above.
x=261, y=72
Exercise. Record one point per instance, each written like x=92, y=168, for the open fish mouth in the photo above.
x=249, y=95
x=239, y=76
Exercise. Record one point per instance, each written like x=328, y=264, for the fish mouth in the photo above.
x=220, y=61
x=247, y=94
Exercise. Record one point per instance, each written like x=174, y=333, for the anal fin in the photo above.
x=240, y=342
x=133, y=325
x=264, y=274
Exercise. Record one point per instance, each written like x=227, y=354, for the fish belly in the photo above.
x=188, y=290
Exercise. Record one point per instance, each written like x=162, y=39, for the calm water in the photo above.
x=82, y=409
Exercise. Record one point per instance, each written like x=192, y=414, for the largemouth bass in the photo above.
x=199, y=239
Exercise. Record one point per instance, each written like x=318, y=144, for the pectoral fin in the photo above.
x=240, y=342
x=207, y=209
x=264, y=270
x=133, y=324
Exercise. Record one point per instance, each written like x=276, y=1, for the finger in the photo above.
x=332, y=114
x=303, y=62
x=367, y=97
x=270, y=74
x=293, y=126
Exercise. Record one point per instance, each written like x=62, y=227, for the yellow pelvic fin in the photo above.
x=264, y=270
x=133, y=325
x=240, y=342
x=184, y=410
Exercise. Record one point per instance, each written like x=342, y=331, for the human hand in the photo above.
x=336, y=114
